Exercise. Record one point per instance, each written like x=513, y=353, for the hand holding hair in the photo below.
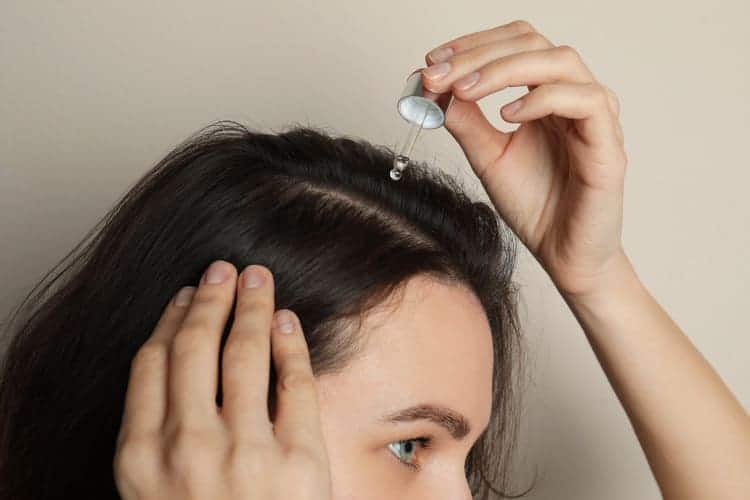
x=175, y=443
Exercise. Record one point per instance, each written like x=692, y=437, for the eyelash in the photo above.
x=424, y=443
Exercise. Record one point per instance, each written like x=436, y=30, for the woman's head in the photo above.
x=403, y=290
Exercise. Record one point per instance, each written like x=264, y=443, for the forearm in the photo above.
x=694, y=432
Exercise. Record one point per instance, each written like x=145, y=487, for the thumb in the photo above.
x=480, y=141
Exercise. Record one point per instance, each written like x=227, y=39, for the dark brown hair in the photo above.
x=320, y=212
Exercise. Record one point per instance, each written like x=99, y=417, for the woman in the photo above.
x=397, y=376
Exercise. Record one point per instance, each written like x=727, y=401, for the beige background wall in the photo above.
x=93, y=94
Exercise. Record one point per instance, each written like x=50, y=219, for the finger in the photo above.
x=146, y=395
x=246, y=360
x=519, y=29
x=194, y=353
x=588, y=104
x=475, y=78
x=297, y=416
x=471, y=40
x=479, y=140
x=463, y=64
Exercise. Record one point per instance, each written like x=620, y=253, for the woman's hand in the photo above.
x=558, y=179
x=175, y=443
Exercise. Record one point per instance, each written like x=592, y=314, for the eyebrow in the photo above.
x=454, y=422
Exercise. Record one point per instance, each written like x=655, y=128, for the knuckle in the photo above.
x=178, y=430
x=294, y=356
x=569, y=52
x=596, y=90
x=609, y=91
x=522, y=25
x=189, y=341
x=544, y=93
x=243, y=347
x=295, y=380
x=148, y=355
x=535, y=40
x=132, y=453
x=189, y=453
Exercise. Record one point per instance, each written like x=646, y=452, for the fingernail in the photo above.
x=184, y=296
x=217, y=273
x=254, y=277
x=285, y=321
x=467, y=81
x=437, y=71
x=513, y=107
x=441, y=54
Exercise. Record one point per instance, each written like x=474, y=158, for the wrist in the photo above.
x=616, y=276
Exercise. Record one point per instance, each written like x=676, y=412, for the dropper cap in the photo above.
x=415, y=100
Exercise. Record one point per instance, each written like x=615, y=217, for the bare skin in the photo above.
x=558, y=182
x=413, y=356
x=175, y=443
x=410, y=359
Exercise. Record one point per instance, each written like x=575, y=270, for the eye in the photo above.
x=407, y=448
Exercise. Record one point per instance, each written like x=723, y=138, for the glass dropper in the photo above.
x=401, y=160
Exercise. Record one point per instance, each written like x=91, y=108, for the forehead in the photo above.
x=429, y=348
